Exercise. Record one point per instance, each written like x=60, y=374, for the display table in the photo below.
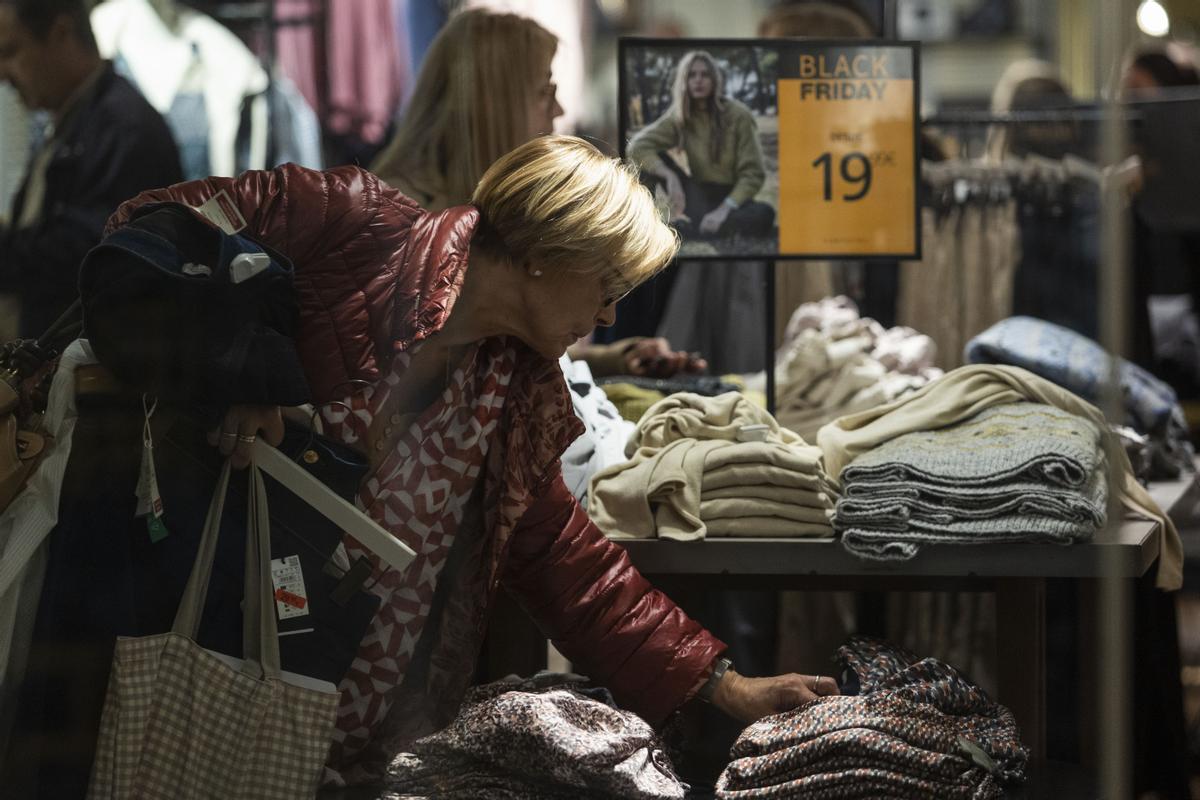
x=1015, y=572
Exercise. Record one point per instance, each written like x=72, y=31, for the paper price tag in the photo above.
x=291, y=598
x=221, y=211
x=149, y=499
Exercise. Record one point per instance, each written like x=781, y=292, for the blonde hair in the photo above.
x=681, y=107
x=559, y=201
x=470, y=103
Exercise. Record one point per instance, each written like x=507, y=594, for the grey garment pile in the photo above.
x=536, y=744
x=1018, y=472
x=918, y=729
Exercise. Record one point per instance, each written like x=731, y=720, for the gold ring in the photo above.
x=816, y=683
x=225, y=435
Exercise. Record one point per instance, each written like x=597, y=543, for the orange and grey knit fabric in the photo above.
x=917, y=728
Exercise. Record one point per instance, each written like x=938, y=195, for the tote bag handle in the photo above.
x=260, y=642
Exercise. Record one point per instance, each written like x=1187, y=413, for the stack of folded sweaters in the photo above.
x=536, y=743
x=834, y=363
x=1014, y=472
x=912, y=728
x=716, y=466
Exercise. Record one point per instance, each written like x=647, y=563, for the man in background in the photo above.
x=104, y=145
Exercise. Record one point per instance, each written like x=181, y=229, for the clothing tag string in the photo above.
x=149, y=503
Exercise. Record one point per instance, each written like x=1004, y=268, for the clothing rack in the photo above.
x=261, y=17
x=261, y=14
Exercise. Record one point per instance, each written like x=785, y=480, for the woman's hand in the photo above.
x=241, y=426
x=714, y=219
x=654, y=358
x=751, y=699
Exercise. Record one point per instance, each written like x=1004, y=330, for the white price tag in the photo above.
x=291, y=598
x=221, y=211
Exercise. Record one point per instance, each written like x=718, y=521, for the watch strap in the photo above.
x=709, y=688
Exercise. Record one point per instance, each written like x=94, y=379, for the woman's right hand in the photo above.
x=241, y=426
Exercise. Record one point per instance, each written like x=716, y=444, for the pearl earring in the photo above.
x=537, y=273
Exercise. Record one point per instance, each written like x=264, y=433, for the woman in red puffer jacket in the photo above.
x=431, y=342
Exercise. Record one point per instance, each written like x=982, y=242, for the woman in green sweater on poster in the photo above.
x=714, y=195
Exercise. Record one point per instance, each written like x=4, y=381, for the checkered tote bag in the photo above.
x=180, y=722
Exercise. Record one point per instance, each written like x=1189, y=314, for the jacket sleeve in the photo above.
x=660, y=135
x=584, y=593
x=748, y=167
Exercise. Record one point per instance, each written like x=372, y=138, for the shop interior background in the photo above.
x=966, y=48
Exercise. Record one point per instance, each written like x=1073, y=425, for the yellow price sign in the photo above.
x=847, y=150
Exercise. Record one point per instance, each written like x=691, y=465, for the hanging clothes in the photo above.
x=300, y=51
x=964, y=280
x=366, y=71
x=294, y=133
x=197, y=74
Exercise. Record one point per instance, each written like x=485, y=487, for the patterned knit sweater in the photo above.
x=917, y=729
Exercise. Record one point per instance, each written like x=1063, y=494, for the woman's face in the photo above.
x=563, y=307
x=700, y=82
x=543, y=108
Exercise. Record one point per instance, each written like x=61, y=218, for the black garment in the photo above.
x=750, y=219
x=111, y=146
x=170, y=310
x=1060, y=235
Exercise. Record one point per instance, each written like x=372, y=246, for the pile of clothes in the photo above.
x=967, y=392
x=543, y=738
x=1082, y=366
x=713, y=466
x=633, y=395
x=834, y=362
x=1016, y=472
x=903, y=727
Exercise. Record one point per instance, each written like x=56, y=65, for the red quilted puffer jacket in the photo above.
x=375, y=274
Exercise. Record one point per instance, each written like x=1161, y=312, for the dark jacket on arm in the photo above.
x=112, y=146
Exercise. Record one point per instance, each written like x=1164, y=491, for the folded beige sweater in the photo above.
x=769, y=527
x=711, y=510
x=692, y=416
x=737, y=475
x=686, y=443
x=773, y=495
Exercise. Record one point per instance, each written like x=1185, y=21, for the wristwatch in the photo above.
x=710, y=686
x=730, y=203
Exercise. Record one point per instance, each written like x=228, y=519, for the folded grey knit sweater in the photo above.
x=1018, y=472
x=1003, y=443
